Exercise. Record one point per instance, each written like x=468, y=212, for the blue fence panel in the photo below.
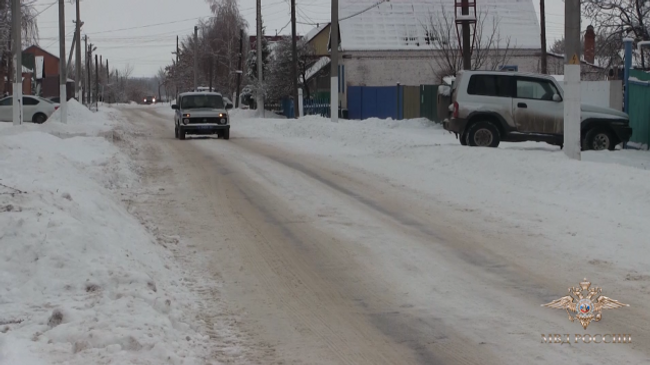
x=372, y=102
x=354, y=102
x=368, y=102
x=386, y=103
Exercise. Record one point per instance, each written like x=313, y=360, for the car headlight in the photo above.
x=186, y=121
x=186, y=115
x=223, y=121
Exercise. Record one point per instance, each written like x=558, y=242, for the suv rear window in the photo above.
x=490, y=85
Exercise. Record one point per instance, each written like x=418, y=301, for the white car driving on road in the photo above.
x=35, y=109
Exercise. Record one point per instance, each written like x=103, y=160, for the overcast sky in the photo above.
x=143, y=32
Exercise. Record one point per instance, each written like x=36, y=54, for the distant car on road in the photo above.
x=201, y=113
x=35, y=108
x=55, y=99
x=149, y=100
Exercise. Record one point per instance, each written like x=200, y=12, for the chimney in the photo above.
x=590, y=45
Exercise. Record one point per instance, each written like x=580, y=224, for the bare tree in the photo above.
x=218, y=45
x=490, y=49
x=618, y=19
x=607, y=49
x=29, y=35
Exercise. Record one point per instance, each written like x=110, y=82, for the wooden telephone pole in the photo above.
x=294, y=66
x=542, y=15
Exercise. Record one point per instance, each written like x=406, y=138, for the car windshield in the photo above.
x=202, y=101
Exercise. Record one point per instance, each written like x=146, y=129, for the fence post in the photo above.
x=399, y=107
x=301, y=112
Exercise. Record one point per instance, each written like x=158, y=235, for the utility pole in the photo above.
x=240, y=71
x=260, y=68
x=108, y=73
x=72, y=48
x=211, y=65
x=89, y=61
x=294, y=66
x=176, y=67
x=572, y=97
x=63, y=70
x=96, y=84
x=542, y=15
x=334, y=62
x=467, y=42
x=77, y=37
x=16, y=16
x=196, y=58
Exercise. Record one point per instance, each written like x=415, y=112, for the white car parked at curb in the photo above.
x=35, y=109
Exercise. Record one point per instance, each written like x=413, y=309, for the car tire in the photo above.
x=463, y=139
x=39, y=118
x=176, y=132
x=599, y=139
x=483, y=134
x=181, y=134
x=226, y=134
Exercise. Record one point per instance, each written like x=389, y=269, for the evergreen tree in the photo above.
x=251, y=60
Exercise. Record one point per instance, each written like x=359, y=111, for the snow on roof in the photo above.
x=315, y=31
x=399, y=24
x=319, y=65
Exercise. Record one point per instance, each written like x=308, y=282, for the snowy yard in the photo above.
x=82, y=281
x=600, y=204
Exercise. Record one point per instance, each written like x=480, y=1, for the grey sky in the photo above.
x=143, y=32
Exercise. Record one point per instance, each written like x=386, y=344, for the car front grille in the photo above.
x=207, y=120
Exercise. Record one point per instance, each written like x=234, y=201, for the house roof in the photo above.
x=400, y=25
x=316, y=67
x=40, y=49
x=315, y=32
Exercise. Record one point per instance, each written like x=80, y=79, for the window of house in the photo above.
x=489, y=85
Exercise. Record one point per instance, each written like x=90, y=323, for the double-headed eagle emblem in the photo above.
x=585, y=307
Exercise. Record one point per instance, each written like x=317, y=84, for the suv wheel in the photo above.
x=176, y=132
x=599, y=139
x=483, y=134
x=463, y=139
x=226, y=134
x=181, y=134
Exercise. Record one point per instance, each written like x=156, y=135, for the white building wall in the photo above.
x=387, y=68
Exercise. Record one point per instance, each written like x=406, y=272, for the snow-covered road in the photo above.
x=387, y=242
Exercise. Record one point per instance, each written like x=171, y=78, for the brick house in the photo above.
x=50, y=82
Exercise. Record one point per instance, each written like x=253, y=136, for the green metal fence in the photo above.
x=639, y=107
x=429, y=102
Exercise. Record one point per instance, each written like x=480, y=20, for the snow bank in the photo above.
x=604, y=199
x=83, y=281
x=77, y=113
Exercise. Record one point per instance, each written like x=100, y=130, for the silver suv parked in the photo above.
x=492, y=106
